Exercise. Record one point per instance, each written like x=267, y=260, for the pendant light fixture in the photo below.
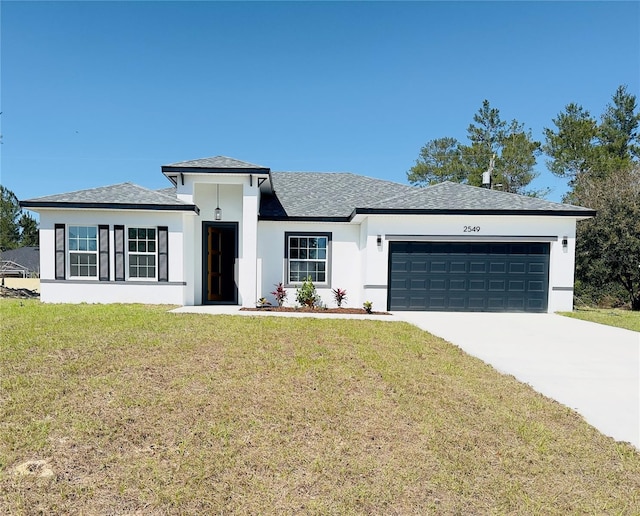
x=217, y=212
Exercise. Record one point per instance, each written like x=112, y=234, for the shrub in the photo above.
x=280, y=294
x=340, y=296
x=306, y=295
x=368, y=306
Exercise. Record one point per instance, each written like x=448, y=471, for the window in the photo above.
x=307, y=255
x=83, y=251
x=142, y=252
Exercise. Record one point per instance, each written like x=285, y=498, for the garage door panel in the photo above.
x=517, y=285
x=417, y=284
x=418, y=266
x=516, y=303
x=477, y=303
x=536, y=286
x=438, y=266
x=497, y=267
x=456, y=303
x=456, y=284
x=457, y=267
x=536, y=268
x=438, y=302
x=468, y=276
x=517, y=268
x=477, y=267
x=477, y=285
x=497, y=285
x=496, y=303
x=437, y=284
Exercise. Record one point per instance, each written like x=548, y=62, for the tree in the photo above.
x=608, y=246
x=17, y=228
x=28, y=230
x=9, y=214
x=491, y=140
x=579, y=145
x=514, y=167
x=440, y=160
x=571, y=145
x=617, y=134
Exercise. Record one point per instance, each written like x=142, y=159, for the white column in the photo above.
x=247, y=269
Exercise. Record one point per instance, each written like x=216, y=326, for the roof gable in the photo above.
x=215, y=164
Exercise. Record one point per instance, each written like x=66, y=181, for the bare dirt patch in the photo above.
x=17, y=293
x=36, y=468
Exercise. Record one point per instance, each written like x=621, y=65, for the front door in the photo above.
x=219, y=245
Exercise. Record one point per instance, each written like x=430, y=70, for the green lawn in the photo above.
x=609, y=316
x=138, y=411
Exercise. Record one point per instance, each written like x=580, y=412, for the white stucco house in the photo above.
x=227, y=231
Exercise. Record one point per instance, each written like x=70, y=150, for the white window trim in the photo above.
x=306, y=234
x=77, y=251
x=128, y=253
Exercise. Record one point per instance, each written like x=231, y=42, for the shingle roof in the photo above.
x=324, y=194
x=216, y=163
x=120, y=196
x=342, y=195
x=28, y=257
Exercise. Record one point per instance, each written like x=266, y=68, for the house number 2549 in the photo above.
x=471, y=229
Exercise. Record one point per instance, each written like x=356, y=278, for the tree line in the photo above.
x=17, y=227
x=598, y=156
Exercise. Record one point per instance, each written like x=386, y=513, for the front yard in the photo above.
x=134, y=410
x=609, y=316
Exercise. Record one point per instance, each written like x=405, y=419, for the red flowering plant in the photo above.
x=280, y=294
x=339, y=296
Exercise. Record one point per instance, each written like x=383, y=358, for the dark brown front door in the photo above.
x=219, y=254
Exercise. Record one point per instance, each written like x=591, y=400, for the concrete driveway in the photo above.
x=591, y=368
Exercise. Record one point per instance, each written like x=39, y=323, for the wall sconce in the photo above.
x=217, y=213
x=565, y=243
x=379, y=241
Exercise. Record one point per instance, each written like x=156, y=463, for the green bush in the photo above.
x=306, y=295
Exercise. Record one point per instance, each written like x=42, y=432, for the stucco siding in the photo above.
x=93, y=291
x=345, y=270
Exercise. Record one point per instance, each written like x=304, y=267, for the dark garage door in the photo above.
x=468, y=277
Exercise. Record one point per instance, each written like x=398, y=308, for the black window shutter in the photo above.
x=103, y=232
x=60, y=251
x=118, y=243
x=163, y=253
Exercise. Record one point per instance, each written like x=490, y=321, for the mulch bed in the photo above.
x=18, y=293
x=306, y=309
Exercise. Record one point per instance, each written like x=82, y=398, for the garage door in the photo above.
x=468, y=277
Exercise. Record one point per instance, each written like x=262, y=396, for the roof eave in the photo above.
x=582, y=214
x=168, y=169
x=110, y=206
x=285, y=218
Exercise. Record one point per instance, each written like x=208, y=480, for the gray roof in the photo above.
x=343, y=195
x=120, y=196
x=216, y=163
x=317, y=195
x=28, y=257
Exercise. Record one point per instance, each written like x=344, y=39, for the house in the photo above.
x=23, y=262
x=227, y=231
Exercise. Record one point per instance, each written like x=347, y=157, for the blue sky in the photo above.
x=97, y=93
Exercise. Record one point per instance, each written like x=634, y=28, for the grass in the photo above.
x=138, y=411
x=609, y=316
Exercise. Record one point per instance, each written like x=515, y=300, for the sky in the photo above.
x=99, y=93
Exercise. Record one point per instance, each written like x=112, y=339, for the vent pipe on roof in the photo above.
x=486, y=176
